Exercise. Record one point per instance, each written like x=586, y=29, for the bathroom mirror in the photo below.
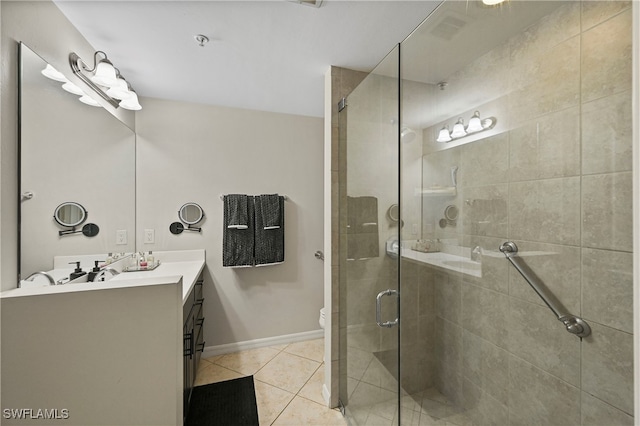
x=70, y=151
x=191, y=214
x=70, y=214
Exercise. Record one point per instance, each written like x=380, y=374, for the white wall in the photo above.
x=194, y=153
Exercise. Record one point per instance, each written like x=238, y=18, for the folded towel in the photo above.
x=271, y=211
x=235, y=207
x=238, y=243
x=269, y=243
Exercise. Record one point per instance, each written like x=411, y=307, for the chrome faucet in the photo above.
x=100, y=276
x=476, y=254
x=35, y=274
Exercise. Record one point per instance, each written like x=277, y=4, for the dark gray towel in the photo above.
x=269, y=243
x=271, y=211
x=238, y=244
x=235, y=207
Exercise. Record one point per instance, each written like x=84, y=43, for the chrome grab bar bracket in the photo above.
x=379, y=297
x=573, y=324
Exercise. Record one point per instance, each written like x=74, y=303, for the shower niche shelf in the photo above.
x=447, y=191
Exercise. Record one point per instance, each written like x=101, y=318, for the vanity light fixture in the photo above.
x=476, y=125
x=105, y=80
x=492, y=2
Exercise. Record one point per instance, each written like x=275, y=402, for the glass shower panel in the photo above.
x=547, y=166
x=369, y=164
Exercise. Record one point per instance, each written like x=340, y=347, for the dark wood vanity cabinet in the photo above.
x=193, y=339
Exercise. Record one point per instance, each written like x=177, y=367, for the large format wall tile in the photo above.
x=485, y=210
x=448, y=297
x=606, y=58
x=481, y=408
x=486, y=365
x=607, y=288
x=558, y=267
x=485, y=162
x=607, y=366
x=536, y=335
x=606, y=134
x=486, y=314
x=595, y=12
x=546, y=84
x=546, y=147
x=546, y=211
x=538, y=398
x=598, y=413
x=607, y=220
x=536, y=40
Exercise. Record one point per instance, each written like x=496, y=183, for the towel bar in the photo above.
x=283, y=196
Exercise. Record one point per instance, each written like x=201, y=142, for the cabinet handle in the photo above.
x=188, y=347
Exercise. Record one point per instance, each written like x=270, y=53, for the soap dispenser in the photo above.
x=150, y=259
x=94, y=271
x=77, y=273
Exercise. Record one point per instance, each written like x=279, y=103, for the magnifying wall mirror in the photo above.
x=190, y=214
x=72, y=214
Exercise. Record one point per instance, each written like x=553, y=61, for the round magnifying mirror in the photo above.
x=70, y=214
x=190, y=213
x=393, y=213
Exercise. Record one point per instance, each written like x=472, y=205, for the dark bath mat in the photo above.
x=224, y=403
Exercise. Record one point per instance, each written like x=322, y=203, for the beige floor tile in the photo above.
x=313, y=388
x=214, y=373
x=302, y=411
x=287, y=371
x=247, y=362
x=311, y=349
x=271, y=401
x=212, y=359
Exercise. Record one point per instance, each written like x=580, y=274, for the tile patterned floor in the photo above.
x=288, y=381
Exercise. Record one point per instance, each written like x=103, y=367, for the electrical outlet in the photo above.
x=121, y=237
x=149, y=236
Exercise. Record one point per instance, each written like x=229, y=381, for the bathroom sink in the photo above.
x=463, y=264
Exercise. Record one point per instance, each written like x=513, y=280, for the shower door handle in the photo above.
x=383, y=293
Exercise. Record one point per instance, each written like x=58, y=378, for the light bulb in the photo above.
x=444, y=135
x=120, y=90
x=475, y=125
x=88, y=100
x=458, y=129
x=72, y=88
x=131, y=103
x=53, y=74
x=105, y=74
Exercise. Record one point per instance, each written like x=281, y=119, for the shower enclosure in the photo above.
x=486, y=207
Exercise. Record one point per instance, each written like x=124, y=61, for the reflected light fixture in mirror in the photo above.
x=492, y=2
x=476, y=125
x=105, y=80
x=458, y=129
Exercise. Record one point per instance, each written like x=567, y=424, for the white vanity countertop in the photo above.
x=174, y=265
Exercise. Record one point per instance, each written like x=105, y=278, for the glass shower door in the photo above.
x=369, y=249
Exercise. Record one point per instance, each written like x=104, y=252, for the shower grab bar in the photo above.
x=574, y=324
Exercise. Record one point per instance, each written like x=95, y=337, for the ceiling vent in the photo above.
x=448, y=27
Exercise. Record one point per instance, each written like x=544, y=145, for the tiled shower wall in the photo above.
x=557, y=182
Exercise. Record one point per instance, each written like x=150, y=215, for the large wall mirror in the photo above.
x=70, y=152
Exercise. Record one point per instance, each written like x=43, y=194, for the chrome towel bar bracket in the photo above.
x=573, y=324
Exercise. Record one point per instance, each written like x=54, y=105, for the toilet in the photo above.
x=321, y=319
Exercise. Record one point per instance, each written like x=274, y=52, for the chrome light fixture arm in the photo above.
x=78, y=65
